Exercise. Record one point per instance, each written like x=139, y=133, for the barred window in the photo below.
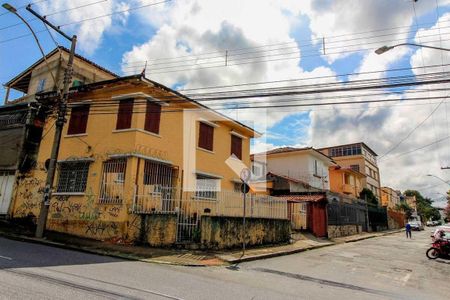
x=72, y=176
x=113, y=181
x=207, y=187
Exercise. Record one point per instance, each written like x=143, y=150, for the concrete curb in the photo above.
x=130, y=257
x=274, y=254
x=371, y=236
x=294, y=251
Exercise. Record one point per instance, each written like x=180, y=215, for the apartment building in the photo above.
x=361, y=158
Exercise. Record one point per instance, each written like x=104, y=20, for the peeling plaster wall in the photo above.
x=343, y=230
x=227, y=232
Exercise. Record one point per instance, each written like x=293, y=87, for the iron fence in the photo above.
x=160, y=199
x=340, y=213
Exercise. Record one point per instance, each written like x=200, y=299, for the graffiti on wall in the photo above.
x=29, y=196
x=102, y=229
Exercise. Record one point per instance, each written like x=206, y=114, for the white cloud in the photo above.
x=190, y=28
x=90, y=32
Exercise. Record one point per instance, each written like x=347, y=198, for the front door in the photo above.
x=6, y=189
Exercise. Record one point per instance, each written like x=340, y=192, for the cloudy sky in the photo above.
x=190, y=45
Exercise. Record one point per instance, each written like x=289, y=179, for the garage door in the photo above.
x=6, y=188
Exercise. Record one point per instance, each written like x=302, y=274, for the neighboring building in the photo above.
x=132, y=145
x=360, y=158
x=22, y=119
x=345, y=180
x=48, y=74
x=20, y=135
x=411, y=201
x=305, y=165
x=390, y=197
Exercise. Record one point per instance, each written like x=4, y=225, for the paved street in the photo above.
x=388, y=267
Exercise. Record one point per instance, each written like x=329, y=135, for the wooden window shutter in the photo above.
x=206, y=137
x=125, y=114
x=78, y=119
x=152, y=117
x=236, y=146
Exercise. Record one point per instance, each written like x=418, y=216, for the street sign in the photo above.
x=245, y=188
x=245, y=175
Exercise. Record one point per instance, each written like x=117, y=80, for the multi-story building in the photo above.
x=304, y=165
x=360, y=158
x=48, y=75
x=411, y=201
x=390, y=197
x=345, y=180
x=131, y=145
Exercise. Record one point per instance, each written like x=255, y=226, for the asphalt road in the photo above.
x=389, y=267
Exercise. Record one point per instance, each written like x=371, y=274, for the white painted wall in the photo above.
x=300, y=165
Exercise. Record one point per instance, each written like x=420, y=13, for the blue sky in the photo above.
x=187, y=27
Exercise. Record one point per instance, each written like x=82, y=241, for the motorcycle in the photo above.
x=439, y=248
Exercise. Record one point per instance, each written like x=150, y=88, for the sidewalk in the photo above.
x=308, y=242
x=181, y=257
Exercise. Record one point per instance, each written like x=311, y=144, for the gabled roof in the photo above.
x=50, y=54
x=292, y=150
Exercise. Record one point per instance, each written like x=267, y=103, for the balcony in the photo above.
x=349, y=189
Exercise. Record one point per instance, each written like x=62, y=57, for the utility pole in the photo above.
x=59, y=124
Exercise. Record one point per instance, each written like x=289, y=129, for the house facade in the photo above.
x=346, y=181
x=305, y=165
x=390, y=197
x=48, y=75
x=360, y=158
x=133, y=146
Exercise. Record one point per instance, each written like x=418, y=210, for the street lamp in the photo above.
x=384, y=49
x=431, y=175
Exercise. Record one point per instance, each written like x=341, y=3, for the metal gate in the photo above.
x=6, y=189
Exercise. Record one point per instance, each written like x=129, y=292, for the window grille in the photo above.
x=72, y=176
x=113, y=181
x=158, y=175
x=207, y=187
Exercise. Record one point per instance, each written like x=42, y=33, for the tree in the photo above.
x=424, y=206
x=403, y=206
x=369, y=196
x=447, y=208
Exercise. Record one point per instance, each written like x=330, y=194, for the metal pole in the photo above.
x=243, y=225
x=62, y=109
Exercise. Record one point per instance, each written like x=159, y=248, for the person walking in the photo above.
x=408, y=230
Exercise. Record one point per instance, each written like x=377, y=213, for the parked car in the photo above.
x=416, y=225
x=430, y=223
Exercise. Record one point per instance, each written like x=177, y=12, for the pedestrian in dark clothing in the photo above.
x=408, y=230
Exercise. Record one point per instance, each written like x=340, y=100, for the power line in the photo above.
x=53, y=13
x=412, y=131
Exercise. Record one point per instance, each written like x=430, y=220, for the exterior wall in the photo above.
x=335, y=231
x=411, y=201
x=338, y=185
x=82, y=71
x=82, y=214
x=227, y=232
x=300, y=166
x=389, y=197
x=347, y=161
x=396, y=219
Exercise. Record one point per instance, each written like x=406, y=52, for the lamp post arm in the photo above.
x=421, y=46
x=38, y=43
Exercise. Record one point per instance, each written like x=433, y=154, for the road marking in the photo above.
x=5, y=257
